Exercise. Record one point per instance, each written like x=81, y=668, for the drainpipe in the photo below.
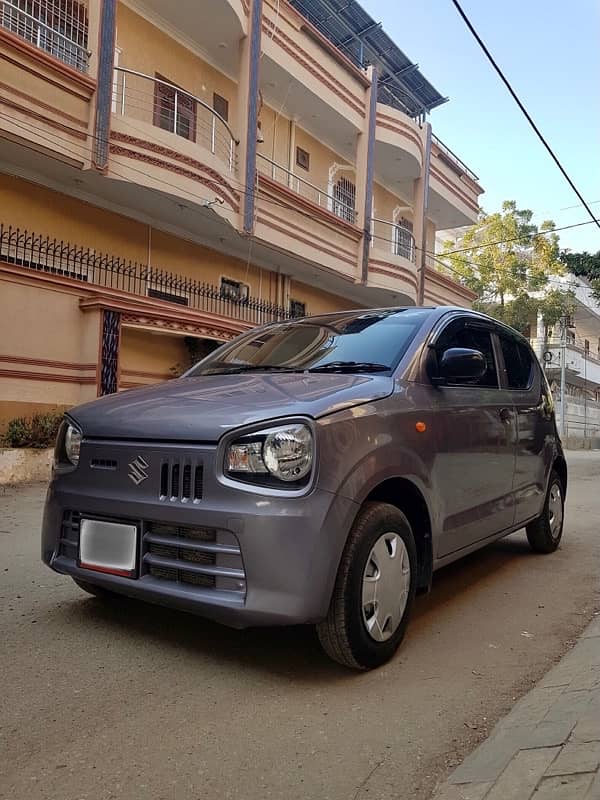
x=421, y=203
x=291, y=153
x=365, y=157
x=104, y=90
x=248, y=95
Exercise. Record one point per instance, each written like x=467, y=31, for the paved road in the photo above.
x=135, y=702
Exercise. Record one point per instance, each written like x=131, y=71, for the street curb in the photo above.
x=24, y=465
x=549, y=744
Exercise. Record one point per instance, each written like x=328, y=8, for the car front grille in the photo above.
x=183, y=481
x=208, y=558
x=200, y=556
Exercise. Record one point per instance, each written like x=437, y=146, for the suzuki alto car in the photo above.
x=313, y=471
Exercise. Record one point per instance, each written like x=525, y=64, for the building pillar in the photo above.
x=104, y=89
x=420, y=206
x=365, y=157
x=109, y=352
x=248, y=86
x=540, y=337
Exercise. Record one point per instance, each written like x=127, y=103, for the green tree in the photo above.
x=584, y=265
x=511, y=267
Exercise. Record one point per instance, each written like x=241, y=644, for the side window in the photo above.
x=518, y=362
x=473, y=339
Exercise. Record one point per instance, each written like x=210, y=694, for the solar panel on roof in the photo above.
x=356, y=34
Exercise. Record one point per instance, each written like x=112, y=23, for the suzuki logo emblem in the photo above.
x=138, y=470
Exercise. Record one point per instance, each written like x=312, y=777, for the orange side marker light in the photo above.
x=421, y=427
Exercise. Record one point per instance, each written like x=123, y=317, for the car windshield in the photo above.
x=365, y=341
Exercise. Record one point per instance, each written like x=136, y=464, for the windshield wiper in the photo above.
x=351, y=366
x=237, y=368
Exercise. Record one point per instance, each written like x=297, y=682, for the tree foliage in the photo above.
x=512, y=269
x=584, y=265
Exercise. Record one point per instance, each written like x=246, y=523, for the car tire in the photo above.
x=98, y=591
x=544, y=533
x=359, y=631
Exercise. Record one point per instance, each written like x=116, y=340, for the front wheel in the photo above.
x=374, y=590
x=544, y=533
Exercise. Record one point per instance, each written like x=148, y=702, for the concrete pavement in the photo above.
x=548, y=747
x=127, y=701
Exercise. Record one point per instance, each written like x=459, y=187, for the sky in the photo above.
x=550, y=53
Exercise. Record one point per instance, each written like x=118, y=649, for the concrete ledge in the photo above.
x=22, y=465
x=579, y=443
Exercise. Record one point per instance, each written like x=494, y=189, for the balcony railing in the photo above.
x=59, y=27
x=43, y=254
x=157, y=102
x=392, y=238
x=304, y=188
x=455, y=162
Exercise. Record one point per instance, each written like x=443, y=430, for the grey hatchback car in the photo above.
x=312, y=471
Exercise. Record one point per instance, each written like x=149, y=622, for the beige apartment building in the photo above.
x=173, y=173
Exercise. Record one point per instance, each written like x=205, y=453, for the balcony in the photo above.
x=329, y=241
x=100, y=273
x=454, y=189
x=172, y=130
x=392, y=258
x=339, y=201
x=58, y=27
x=583, y=366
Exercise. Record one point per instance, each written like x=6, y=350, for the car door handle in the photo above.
x=505, y=414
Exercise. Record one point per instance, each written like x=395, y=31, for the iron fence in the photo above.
x=44, y=254
x=60, y=27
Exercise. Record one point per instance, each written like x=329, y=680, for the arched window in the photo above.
x=344, y=199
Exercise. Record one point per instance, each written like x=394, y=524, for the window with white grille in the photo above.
x=59, y=27
x=344, y=199
x=404, y=242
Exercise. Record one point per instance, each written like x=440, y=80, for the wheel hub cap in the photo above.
x=386, y=584
x=555, y=510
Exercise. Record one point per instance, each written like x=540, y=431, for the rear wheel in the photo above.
x=97, y=591
x=374, y=590
x=544, y=533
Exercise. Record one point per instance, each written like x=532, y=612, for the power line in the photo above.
x=524, y=238
x=526, y=114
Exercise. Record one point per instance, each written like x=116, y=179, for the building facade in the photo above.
x=578, y=342
x=172, y=175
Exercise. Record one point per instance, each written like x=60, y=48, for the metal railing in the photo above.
x=304, y=188
x=454, y=159
x=43, y=254
x=393, y=238
x=157, y=102
x=59, y=27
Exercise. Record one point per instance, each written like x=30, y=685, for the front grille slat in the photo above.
x=177, y=541
x=204, y=569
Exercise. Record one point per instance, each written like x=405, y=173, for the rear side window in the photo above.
x=518, y=362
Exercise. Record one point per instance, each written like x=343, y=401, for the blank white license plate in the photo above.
x=107, y=547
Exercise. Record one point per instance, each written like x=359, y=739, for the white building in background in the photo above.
x=582, y=362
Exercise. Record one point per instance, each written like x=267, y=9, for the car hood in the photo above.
x=202, y=409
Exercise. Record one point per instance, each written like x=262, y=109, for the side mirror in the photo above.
x=460, y=365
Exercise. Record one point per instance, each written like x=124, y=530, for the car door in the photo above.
x=474, y=463
x=535, y=427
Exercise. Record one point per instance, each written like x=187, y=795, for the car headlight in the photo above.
x=72, y=444
x=283, y=453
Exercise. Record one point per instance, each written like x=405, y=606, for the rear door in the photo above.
x=475, y=443
x=535, y=427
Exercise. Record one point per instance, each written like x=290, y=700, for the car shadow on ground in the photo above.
x=291, y=652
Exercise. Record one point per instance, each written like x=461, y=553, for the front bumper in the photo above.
x=260, y=559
